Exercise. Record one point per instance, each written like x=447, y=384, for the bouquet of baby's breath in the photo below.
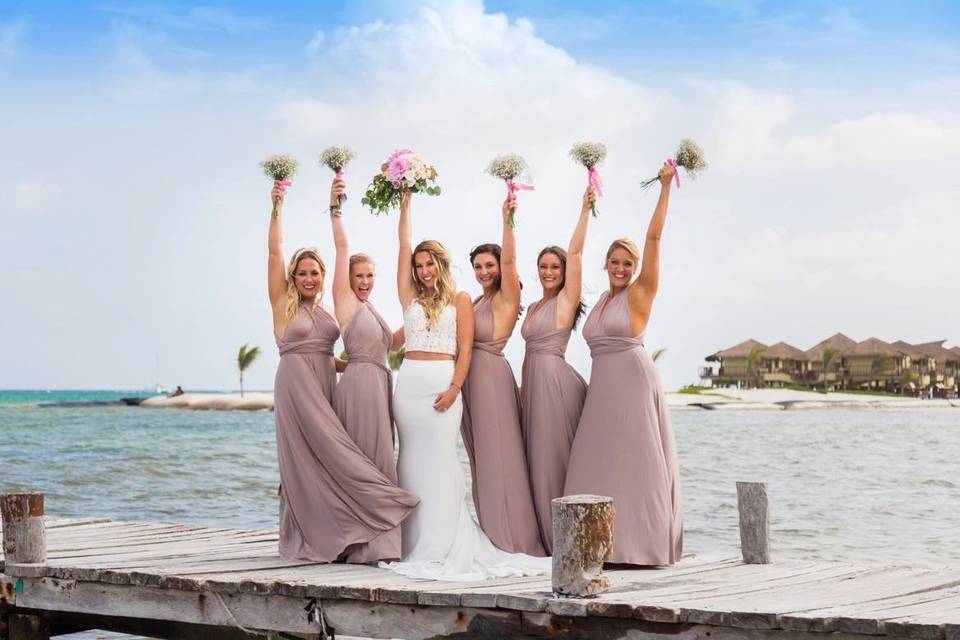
x=689, y=156
x=590, y=154
x=281, y=168
x=508, y=167
x=337, y=158
x=403, y=171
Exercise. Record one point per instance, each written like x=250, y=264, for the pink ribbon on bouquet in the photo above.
x=513, y=187
x=283, y=184
x=343, y=196
x=593, y=176
x=676, y=170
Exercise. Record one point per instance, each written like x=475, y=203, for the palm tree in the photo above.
x=754, y=359
x=245, y=358
x=829, y=355
x=659, y=352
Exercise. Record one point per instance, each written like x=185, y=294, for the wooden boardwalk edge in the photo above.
x=181, y=581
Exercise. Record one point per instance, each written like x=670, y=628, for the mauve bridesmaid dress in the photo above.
x=624, y=446
x=333, y=498
x=552, y=401
x=494, y=442
x=362, y=402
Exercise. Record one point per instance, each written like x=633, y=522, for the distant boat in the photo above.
x=159, y=388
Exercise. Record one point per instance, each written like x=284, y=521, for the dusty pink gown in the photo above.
x=362, y=402
x=494, y=443
x=333, y=498
x=624, y=446
x=552, y=401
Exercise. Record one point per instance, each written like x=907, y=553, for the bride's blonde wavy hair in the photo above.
x=446, y=289
x=293, y=297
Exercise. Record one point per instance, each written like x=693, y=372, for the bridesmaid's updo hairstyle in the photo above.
x=446, y=289
x=360, y=258
x=561, y=254
x=627, y=245
x=491, y=248
x=293, y=294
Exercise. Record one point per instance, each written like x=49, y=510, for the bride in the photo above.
x=440, y=539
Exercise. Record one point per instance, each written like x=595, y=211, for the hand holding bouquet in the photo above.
x=281, y=168
x=689, y=156
x=507, y=168
x=403, y=172
x=336, y=158
x=590, y=154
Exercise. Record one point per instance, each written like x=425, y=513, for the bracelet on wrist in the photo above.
x=335, y=211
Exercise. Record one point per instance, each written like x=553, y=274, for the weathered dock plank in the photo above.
x=233, y=580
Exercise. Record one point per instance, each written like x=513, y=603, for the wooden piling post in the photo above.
x=23, y=627
x=754, y=511
x=24, y=534
x=582, y=541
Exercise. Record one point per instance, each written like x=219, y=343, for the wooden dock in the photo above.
x=182, y=581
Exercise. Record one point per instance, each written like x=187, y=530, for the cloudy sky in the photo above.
x=134, y=216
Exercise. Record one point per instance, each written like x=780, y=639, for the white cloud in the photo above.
x=11, y=33
x=316, y=43
x=31, y=195
x=199, y=18
x=810, y=220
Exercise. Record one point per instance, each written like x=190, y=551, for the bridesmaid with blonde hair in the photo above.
x=333, y=499
x=362, y=397
x=491, y=404
x=624, y=447
x=553, y=391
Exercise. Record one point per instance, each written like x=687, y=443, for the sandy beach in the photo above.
x=212, y=402
x=722, y=399
x=708, y=400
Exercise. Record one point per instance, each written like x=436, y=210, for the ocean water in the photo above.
x=844, y=485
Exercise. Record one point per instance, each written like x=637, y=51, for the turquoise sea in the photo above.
x=844, y=485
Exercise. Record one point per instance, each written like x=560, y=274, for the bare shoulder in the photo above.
x=463, y=298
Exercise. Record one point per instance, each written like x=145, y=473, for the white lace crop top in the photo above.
x=441, y=338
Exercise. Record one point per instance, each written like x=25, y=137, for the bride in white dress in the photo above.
x=441, y=541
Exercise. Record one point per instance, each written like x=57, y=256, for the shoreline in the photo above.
x=723, y=399
x=715, y=400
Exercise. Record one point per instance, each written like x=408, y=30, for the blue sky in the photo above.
x=132, y=133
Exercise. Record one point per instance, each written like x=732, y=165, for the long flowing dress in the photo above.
x=624, y=447
x=332, y=497
x=362, y=402
x=441, y=541
x=494, y=442
x=552, y=401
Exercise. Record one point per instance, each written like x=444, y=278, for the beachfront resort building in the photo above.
x=839, y=362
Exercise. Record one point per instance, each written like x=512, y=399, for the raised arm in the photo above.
x=464, y=352
x=644, y=288
x=276, y=265
x=404, y=256
x=569, y=299
x=509, y=276
x=345, y=302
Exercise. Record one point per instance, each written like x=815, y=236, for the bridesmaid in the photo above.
x=362, y=397
x=553, y=391
x=624, y=446
x=333, y=499
x=491, y=405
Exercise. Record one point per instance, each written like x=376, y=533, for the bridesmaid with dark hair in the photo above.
x=491, y=404
x=362, y=397
x=624, y=446
x=333, y=499
x=553, y=391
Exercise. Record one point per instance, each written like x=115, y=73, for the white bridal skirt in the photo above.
x=441, y=541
